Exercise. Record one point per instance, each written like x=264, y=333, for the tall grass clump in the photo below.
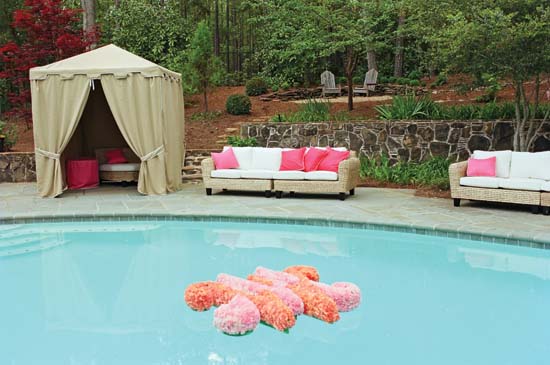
x=430, y=173
x=311, y=111
x=409, y=107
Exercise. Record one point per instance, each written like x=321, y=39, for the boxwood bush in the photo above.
x=256, y=86
x=238, y=104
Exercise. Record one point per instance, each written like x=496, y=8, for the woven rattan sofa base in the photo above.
x=312, y=186
x=545, y=202
x=498, y=195
x=119, y=176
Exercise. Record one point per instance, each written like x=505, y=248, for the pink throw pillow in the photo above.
x=115, y=156
x=293, y=160
x=313, y=157
x=482, y=167
x=332, y=160
x=225, y=159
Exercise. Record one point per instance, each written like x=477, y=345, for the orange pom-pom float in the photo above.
x=275, y=297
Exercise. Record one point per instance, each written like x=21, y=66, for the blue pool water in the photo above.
x=112, y=293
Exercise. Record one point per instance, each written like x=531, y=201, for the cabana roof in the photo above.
x=109, y=59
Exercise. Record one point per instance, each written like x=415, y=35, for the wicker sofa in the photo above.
x=259, y=171
x=521, y=178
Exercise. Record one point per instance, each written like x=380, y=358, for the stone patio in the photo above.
x=385, y=207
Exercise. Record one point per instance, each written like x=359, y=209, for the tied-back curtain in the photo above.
x=136, y=104
x=57, y=105
x=173, y=132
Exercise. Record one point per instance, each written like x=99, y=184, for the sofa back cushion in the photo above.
x=266, y=158
x=504, y=159
x=530, y=165
x=243, y=156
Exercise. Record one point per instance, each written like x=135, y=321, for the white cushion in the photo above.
x=243, y=156
x=517, y=183
x=257, y=174
x=226, y=173
x=503, y=160
x=531, y=165
x=321, y=175
x=289, y=175
x=545, y=186
x=266, y=158
x=480, y=181
x=119, y=167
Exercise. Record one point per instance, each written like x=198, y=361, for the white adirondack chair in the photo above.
x=371, y=80
x=329, y=84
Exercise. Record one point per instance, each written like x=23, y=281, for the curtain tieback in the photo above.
x=157, y=151
x=47, y=154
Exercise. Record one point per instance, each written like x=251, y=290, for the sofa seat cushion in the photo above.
x=289, y=175
x=503, y=160
x=243, y=156
x=545, y=186
x=530, y=165
x=481, y=182
x=266, y=159
x=257, y=174
x=321, y=175
x=226, y=173
x=120, y=167
x=521, y=184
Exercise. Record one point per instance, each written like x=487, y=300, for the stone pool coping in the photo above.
x=394, y=210
x=318, y=222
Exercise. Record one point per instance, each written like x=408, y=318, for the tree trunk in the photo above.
x=227, y=33
x=117, y=3
x=399, y=47
x=350, y=63
x=205, y=95
x=88, y=18
x=371, y=60
x=217, y=29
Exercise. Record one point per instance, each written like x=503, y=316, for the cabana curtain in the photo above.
x=145, y=100
x=54, y=126
x=136, y=102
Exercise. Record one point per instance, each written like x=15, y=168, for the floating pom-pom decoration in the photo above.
x=306, y=271
x=237, y=317
x=286, y=295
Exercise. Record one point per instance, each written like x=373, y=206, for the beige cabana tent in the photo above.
x=107, y=98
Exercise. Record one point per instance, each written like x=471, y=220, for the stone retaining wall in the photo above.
x=17, y=167
x=20, y=166
x=400, y=140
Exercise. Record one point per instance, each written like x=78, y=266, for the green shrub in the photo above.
x=441, y=79
x=285, y=85
x=430, y=173
x=414, y=83
x=402, y=81
x=414, y=75
x=206, y=116
x=10, y=134
x=238, y=104
x=237, y=141
x=256, y=86
x=358, y=80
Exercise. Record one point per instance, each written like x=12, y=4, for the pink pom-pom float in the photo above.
x=237, y=317
x=274, y=297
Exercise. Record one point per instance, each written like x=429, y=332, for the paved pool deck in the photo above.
x=379, y=207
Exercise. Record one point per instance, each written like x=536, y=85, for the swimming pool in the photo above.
x=112, y=293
